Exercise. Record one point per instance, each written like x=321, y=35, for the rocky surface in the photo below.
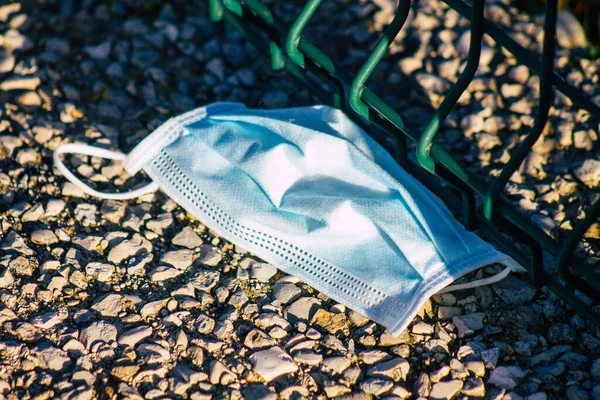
x=137, y=299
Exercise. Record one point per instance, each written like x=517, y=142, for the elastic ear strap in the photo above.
x=72, y=148
x=481, y=282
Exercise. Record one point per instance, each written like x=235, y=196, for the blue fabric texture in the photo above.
x=310, y=192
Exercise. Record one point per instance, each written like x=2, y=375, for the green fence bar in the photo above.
x=264, y=14
x=380, y=49
x=215, y=8
x=456, y=91
x=321, y=64
x=500, y=221
x=517, y=157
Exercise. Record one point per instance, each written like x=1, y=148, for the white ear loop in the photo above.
x=480, y=282
x=72, y=148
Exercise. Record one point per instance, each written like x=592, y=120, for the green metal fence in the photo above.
x=497, y=219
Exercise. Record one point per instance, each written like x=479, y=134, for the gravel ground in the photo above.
x=137, y=299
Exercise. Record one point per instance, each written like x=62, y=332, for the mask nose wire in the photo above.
x=72, y=148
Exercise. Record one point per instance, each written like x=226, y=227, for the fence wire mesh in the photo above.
x=481, y=202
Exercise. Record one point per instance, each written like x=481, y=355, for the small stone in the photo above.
x=22, y=266
x=422, y=328
x=205, y=280
x=160, y=223
x=589, y=173
x=308, y=357
x=387, y=339
x=446, y=390
x=302, y=309
x=477, y=368
x=220, y=374
x=423, y=385
x=370, y=357
x=27, y=332
x=474, y=387
x=514, y=291
x=272, y=363
x=209, y=255
x=585, y=139
x=256, y=339
x=83, y=377
x=29, y=101
x=595, y=370
x=20, y=83
x=100, y=271
x=506, y=377
x=6, y=278
x=128, y=248
x=52, y=358
x=330, y=322
x=90, y=243
x=109, y=305
x=204, y=324
x=14, y=242
x=33, y=214
x=99, y=331
x=29, y=156
x=55, y=207
x=43, y=237
x=569, y=32
x=437, y=346
x=153, y=353
x=468, y=324
x=164, y=273
x=86, y=214
x=7, y=61
x=124, y=372
x=458, y=370
x=6, y=315
x=577, y=393
x=49, y=320
x=446, y=313
x=57, y=283
x=267, y=320
x=408, y=65
x=217, y=67
x=14, y=40
x=196, y=354
x=99, y=52
x=238, y=299
x=337, y=364
x=180, y=259
x=561, y=333
x=395, y=369
x=187, y=238
x=134, y=336
x=262, y=271
x=490, y=357
x=153, y=308
x=376, y=386
x=74, y=346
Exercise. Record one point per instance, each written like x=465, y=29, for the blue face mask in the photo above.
x=308, y=191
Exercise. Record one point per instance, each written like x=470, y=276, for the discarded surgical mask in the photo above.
x=308, y=191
